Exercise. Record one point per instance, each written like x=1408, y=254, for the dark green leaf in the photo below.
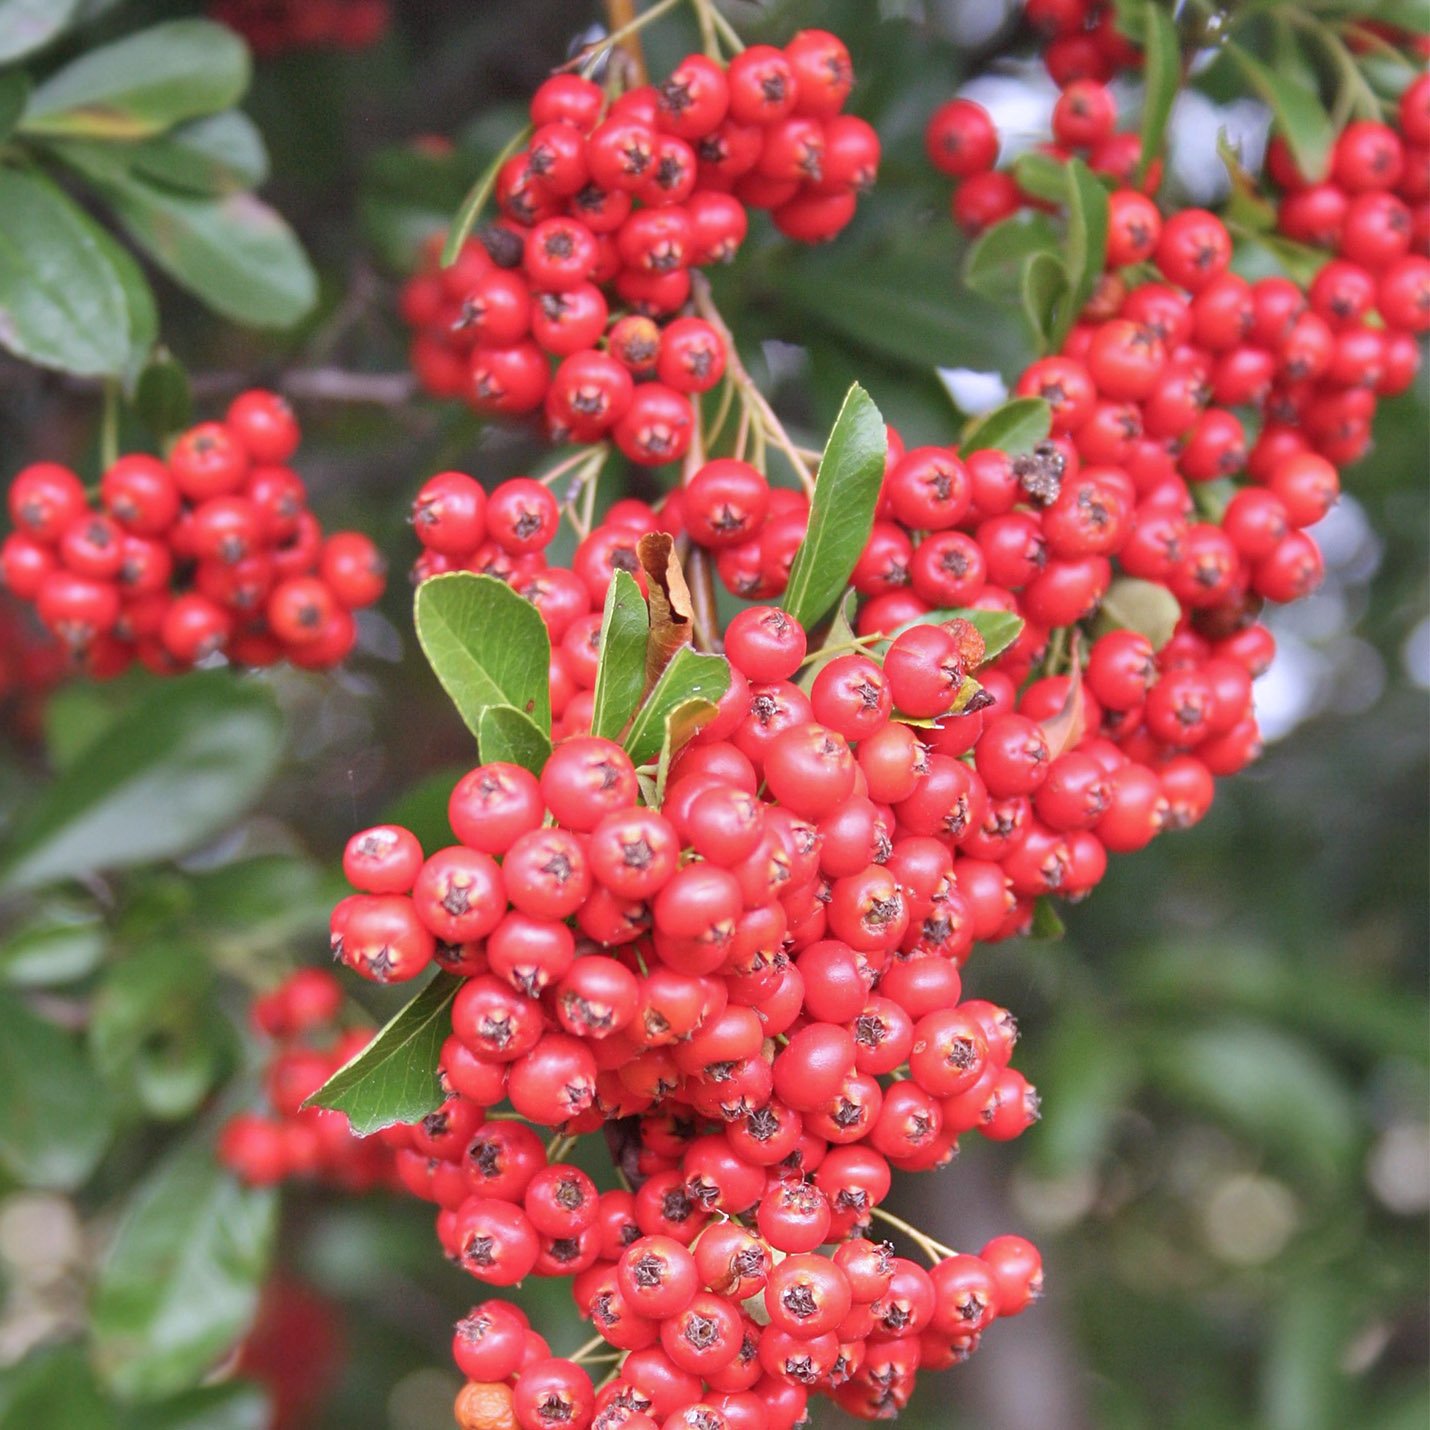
x=1086, y=243
x=29, y=25
x=1016, y=426
x=180, y=1283
x=1299, y=116
x=680, y=726
x=1047, y=922
x=161, y=397
x=1041, y=176
x=262, y=902
x=471, y=210
x=14, y=94
x=505, y=734
x=232, y=252
x=139, y=301
x=999, y=629
x=54, y=1389
x=54, y=1120
x=213, y=155
x=1044, y=285
x=394, y=1078
x=61, y=943
x=487, y=645
x=994, y=265
x=1145, y=606
x=62, y=304
x=143, y=84
x=1163, y=74
x=170, y=774
x=1248, y=206
x=620, y=668
x=688, y=676
x=841, y=513
x=836, y=642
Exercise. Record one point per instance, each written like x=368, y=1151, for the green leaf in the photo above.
x=620, y=664
x=62, y=304
x=476, y=200
x=54, y=1389
x=14, y=95
x=994, y=265
x=213, y=155
x=1086, y=243
x=54, y=1119
x=162, y=400
x=1092, y=1074
x=1047, y=922
x=999, y=629
x=688, y=676
x=1015, y=427
x=487, y=646
x=233, y=252
x=155, y=1036
x=180, y=1283
x=63, y=942
x=394, y=1078
x=234, y=1405
x=138, y=300
x=836, y=642
x=1162, y=72
x=841, y=513
x=1041, y=176
x=168, y=775
x=680, y=725
x=30, y=25
x=1299, y=116
x=143, y=84
x=1045, y=283
x=1134, y=605
x=504, y=733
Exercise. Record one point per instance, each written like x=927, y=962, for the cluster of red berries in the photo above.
x=1080, y=40
x=272, y=27
x=568, y=302
x=300, y=1019
x=211, y=550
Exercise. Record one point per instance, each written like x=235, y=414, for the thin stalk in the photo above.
x=588, y=1350
x=622, y=33
x=727, y=31
x=566, y=464
x=934, y=1250
x=109, y=426
x=722, y=413
x=699, y=571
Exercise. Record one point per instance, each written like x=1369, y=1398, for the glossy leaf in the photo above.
x=63, y=942
x=999, y=629
x=1134, y=605
x=620, y=665
x=394, y=1078
x=55, y=1121
x=62, y=303
x=181, y=1280
x=213, y=155
x=1041, y=176
x=506, y=734
x=14, y=95
x=1086, y=243
x=1162, y=73
x=1044, y=286
x=169, y=774
x=233, y=1405
x=142, y=84
x=54, y=1389
x=841, y=514
x=487, y=646
x=140, y=304
x=30, y=25
x=836, y=643
x=689, y=675
x=1016, y=426
x=994, y=265
x=162, y=400
x=1299, y=116
x=681, y=725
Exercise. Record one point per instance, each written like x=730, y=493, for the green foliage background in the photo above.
x=1231, y=1180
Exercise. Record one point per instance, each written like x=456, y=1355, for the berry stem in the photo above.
x=699, y=572
x=626, y=24
x=709, y=14
x=766, y=423
x=576, y=459
x=587, y=1351
x=934, y=1250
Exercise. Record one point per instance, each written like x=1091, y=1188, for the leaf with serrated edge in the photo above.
x=394, y=1078
x=689, y=674
x=841, y=512
x=486, y=644
x=1015, y=427
x=620, y=661
x=505, y=735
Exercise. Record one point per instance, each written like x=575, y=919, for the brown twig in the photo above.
x=619, y=15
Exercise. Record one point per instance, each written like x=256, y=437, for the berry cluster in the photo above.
x=568, y=303
x=299, y=1018
x=273, y=27
x=760, y=996
x=209, y=551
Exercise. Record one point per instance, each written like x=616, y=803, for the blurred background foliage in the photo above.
x=1231, y=1181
